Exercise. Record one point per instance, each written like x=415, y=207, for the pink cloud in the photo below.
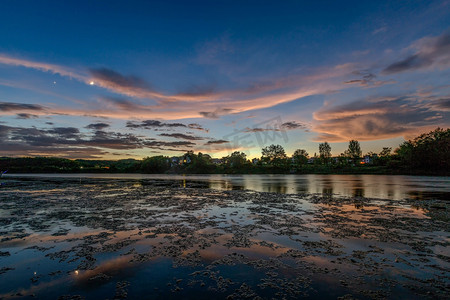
x=146, y=102
x=45, y=67
x=374, y=119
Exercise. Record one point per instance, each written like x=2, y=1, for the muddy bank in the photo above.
x=155, y=239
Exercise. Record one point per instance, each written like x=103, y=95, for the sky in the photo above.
x=131, y=79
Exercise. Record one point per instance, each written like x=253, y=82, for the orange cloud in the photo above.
x=374, y=119
x=146, y=102
x=55, y=69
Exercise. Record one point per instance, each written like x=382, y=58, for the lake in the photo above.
x=393, y=187
x=118, y=236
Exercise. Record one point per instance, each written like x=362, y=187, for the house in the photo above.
x=216, y=161
x=175, y=161
x=186, y=159
x=255, y=161
x=311, y=160
x=367, y=160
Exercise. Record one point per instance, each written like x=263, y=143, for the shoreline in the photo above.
x=359, y=172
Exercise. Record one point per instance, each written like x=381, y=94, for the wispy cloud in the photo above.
x=182, y=136
x=431, y=52
x=45, y=67
x=159, y=144
x=65, y=132
x=122, y=104
x=103, y=77
x=216, y=142
x=132, y=86
x=368, y=79
x=380, y=118
x=70, y=142
x=97, y=126
x=440, y=104
x=258, y=129
x=153, y=124
x=197, y=127
x=143, y=101
x=292, y=125
x=216, y=114
x=199, y=102
x=13, y=107
x=24, y=116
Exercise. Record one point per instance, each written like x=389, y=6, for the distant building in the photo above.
x=179, y=160
x=186, y=160
x=255, y=161
x=216, y=161
x=175, y=161
x=367, y=159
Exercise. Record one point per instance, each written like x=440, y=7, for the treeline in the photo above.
x=426, y=154
x=63, y=165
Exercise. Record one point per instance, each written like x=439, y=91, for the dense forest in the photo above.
x=426, y=154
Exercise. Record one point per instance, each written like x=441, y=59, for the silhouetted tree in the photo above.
x=236, y=160
x=325, y=152
x=200, y=163
x=385, y=152
x=384, y=156
x=155, y=164
x=274, y=155
x=342, y=159
x=300, y=157
x=354, y=150
x=428, y=152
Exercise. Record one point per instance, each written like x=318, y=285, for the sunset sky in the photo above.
x=130, y=79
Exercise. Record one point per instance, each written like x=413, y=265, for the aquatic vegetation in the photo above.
x=156, y=238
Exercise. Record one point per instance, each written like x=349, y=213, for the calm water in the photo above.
x=394, y=187
x=146, y=239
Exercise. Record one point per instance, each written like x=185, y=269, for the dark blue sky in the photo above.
x=303, y=71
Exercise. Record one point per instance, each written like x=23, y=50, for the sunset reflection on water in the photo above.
x=167, y=239
x=394, y=187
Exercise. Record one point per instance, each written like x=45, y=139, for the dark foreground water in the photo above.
x=180, y=239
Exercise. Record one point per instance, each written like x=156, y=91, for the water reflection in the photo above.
x=371, y=186
x=358, y=188
x=189, y=241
